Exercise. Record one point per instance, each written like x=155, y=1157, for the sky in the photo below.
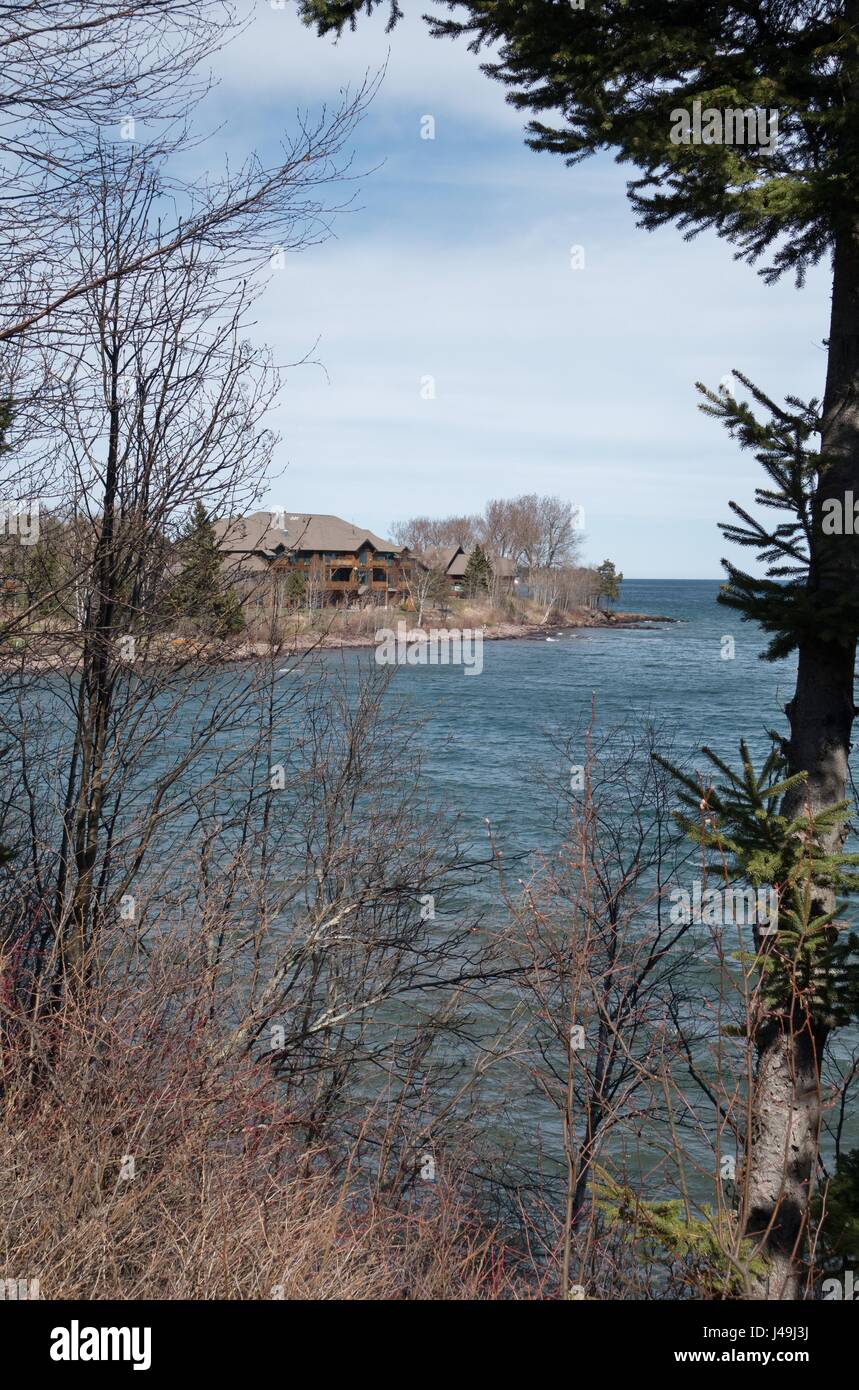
x=454, y=262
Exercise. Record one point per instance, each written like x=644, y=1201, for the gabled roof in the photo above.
x=453, y=561
x=246, y=534
x=313, y=531
x=317, y=531
x=442, y=558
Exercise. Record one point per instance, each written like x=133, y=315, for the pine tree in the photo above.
x=667, y=1233
x=200, y=592
x=42, y=565
x=808, y=964
x=610, y=581
x=808, y=968
x=296, y=588
x=478, y=574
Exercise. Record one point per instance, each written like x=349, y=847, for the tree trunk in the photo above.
x=783, y=1154
x=786, y=1107
x=94, y=705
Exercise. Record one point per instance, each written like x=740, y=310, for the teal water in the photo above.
x=489, y=744
x=484, y=737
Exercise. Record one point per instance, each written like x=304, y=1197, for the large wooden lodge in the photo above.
x=338, y=563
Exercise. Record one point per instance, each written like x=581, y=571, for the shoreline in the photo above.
x=588, y=620
x=495, y=632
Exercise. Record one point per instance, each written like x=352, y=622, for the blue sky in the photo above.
x=454, y=262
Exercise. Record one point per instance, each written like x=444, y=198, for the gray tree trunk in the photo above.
x=786, y=1107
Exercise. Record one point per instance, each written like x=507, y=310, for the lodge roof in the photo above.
x=301, y=531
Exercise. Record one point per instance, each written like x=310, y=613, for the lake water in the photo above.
x=485, y=736
x=489, y=743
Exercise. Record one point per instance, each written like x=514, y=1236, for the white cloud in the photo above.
x=458, y=265
x=278, y=58
x=546, y=379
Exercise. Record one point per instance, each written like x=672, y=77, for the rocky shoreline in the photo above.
x=183, y=649
x=497, y=632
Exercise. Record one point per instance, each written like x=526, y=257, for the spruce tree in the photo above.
x=43, y=565
x=296, y=588
x=200, y=592
x=478, y=574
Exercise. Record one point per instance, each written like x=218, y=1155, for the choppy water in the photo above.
x=485, y=736
x=488, y=744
